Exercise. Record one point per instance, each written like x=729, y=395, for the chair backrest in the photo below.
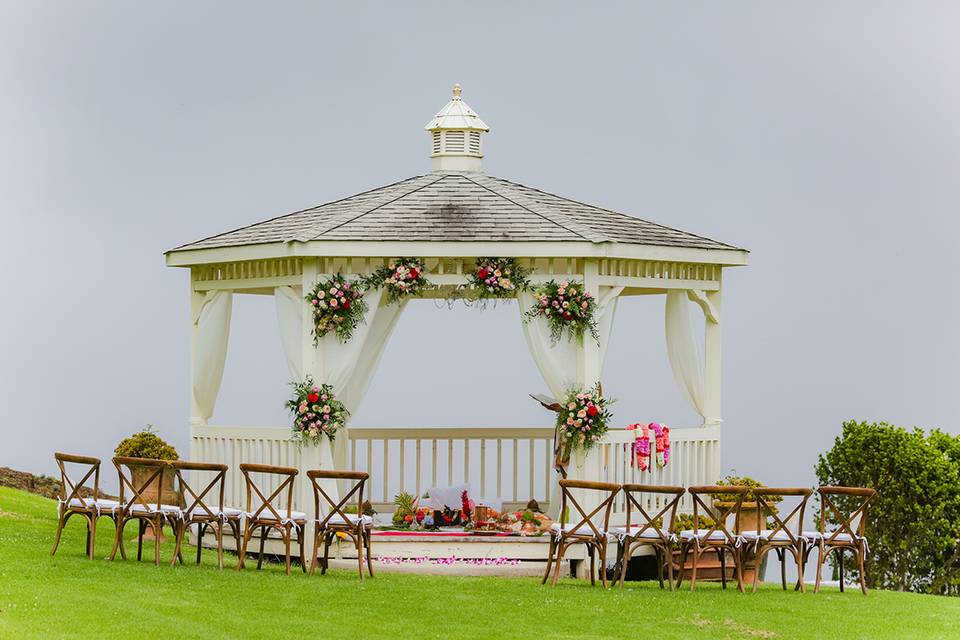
x=285, y=477
x=199, y=503
x=669, y=497
x=767, y=506
x=336, y=507
x=851, y=521
x=71, y=489
x=567, y=488
x=720, y=512
x=154, y=473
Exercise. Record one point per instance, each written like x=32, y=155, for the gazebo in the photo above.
x=448, y=217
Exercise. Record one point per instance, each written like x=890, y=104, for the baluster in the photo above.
x=483, y=468
x=449, y=461
x=532, y=464
x=417, y=470
x=499, y=468
x=466, y=460
x=386, y=469
x=403, y=466
x=433, y=456
x=516, y=473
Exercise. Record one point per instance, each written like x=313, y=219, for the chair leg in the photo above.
x=366, y=533
x=782, y=555
x=358, y=541
x=546, y=574
x=61, y=521
x=264, y=531
x=301, y=540
x=286, y=547
x=201, y=529
x=658, y=554
x=247, y=532
x=220, y=545
x=684, y=552
x=816, y=587
x=738, y=561
x=141, y=525
x=624, y=553
x=180, y=532
x=314, y=560
x=840, y=562
x=118, y=538
x=593, y=582
x=157, y=527
x=722, y=557
x=861, y=561
x=798, y=556
x=669, y=554
x=561, y=549
x=327, y=539
x=603, y=564
x=757, y=561
x=93, y=534
x=693, y=567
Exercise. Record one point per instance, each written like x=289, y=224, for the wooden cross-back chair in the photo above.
x=268, y=517
x=152, y=513
x=584, y=530
x=74, y=502
x=648, y=532
x=205, y=509
x=718, y=538
x=355, y=526
x=786, y=533
x=849, y=534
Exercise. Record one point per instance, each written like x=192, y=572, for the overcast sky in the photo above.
x=823, y=137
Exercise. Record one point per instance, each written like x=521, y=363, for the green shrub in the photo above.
x=146, y=444
x=913, y=522
x=744, y=481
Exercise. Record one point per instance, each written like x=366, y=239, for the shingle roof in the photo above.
x=457, y=206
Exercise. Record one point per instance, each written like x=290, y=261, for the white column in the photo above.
x=196, y=303
x=712, y=362
x=310, y=457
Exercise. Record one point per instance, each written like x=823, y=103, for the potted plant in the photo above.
x=749, y=510
x=147, y=444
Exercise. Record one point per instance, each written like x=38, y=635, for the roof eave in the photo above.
x=185, y=257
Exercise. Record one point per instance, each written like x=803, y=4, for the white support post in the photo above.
x=196, y=304
x=310, y=357
x=712, y=376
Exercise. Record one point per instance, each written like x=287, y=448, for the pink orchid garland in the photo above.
x=641, y=445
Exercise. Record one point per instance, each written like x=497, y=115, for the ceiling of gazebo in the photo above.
x=458, y=206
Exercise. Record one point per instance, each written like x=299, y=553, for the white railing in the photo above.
x=510, y=465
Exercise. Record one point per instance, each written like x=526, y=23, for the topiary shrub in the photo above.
x=913, y=522
x=146, y=444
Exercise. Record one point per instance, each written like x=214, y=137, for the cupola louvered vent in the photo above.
x=456, y=137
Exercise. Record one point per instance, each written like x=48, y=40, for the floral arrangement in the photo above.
x=743, y=481
x=316, y=411
x=401, y=277
x=582, y=420
x=146, y=444
x=338, y=305
x=641, y=446
x=567, y=308
x=498, y=278
x=524, y=523
x=406, y=510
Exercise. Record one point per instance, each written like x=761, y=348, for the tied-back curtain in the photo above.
x=210, y=350
x=683, y=350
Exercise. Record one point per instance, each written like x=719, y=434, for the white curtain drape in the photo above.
x=683, y=350
x=557, y=362
x=347, y=366
x=210, y=350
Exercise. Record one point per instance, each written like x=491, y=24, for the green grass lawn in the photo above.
x=67, y=595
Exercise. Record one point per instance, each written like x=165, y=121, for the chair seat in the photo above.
x=701, y=534
x=352, y=518
x=582, y=530
x=100, y=504
x=266, y=514
x=816, y=536
x=767, y=535
x=152, y=508
x=635, y=532
x=227, y=512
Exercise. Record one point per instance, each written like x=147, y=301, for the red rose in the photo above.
x=346, y=304
x=566, y=315
x=592, y=410
x=414, y=273
x=313, y=397
x=483, y=273
x=408, y=518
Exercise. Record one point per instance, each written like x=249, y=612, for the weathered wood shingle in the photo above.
x=455, y=206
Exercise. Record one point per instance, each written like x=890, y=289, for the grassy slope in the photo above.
x=67, y=595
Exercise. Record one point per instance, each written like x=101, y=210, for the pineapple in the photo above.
x=405, y=507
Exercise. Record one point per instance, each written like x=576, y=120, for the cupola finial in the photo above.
x=455, y=136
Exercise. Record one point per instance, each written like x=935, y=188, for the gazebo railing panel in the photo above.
x=508, y=464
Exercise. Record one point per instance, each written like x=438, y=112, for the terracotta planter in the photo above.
x=152, y=491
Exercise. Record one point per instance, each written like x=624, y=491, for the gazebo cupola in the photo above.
x=456, y=134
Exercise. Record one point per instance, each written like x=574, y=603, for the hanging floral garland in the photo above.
x=567, y=308
x=641, y=445
x=498, y=278
x=338, y=305
x=401, y=277
x=582, y=420
x=316, y=412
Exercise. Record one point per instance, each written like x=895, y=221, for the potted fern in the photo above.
x=147, y=444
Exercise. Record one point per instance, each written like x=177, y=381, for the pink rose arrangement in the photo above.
x=338, y=306
x=567, y=308
x=401, y=277
x=316, y=411
x=498, y=278
x=582, y=420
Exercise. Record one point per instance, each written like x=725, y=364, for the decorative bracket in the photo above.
x=709, y=311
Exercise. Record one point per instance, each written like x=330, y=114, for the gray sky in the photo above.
x=823, y=137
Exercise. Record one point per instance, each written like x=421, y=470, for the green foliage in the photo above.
x=146, y=444
x=567, y=308
x=913, y=522
x=684, y=522
x=743, y=481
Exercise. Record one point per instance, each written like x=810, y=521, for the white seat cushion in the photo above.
x=152, y=508
x=767, y=534
x=102, y=503
x=583, y=530
x=266, y=514
x=226, y=512
x=352, y=517
x=635, y=532
x=716, y=536
x=815, y=536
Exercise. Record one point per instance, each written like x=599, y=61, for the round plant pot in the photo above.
x=151, y=494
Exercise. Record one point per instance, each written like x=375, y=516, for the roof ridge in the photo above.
x=382, y=203
x=293, y=213
x=522, y=201
x=619, y=213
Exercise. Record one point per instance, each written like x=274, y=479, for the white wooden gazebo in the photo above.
x=449, y=217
